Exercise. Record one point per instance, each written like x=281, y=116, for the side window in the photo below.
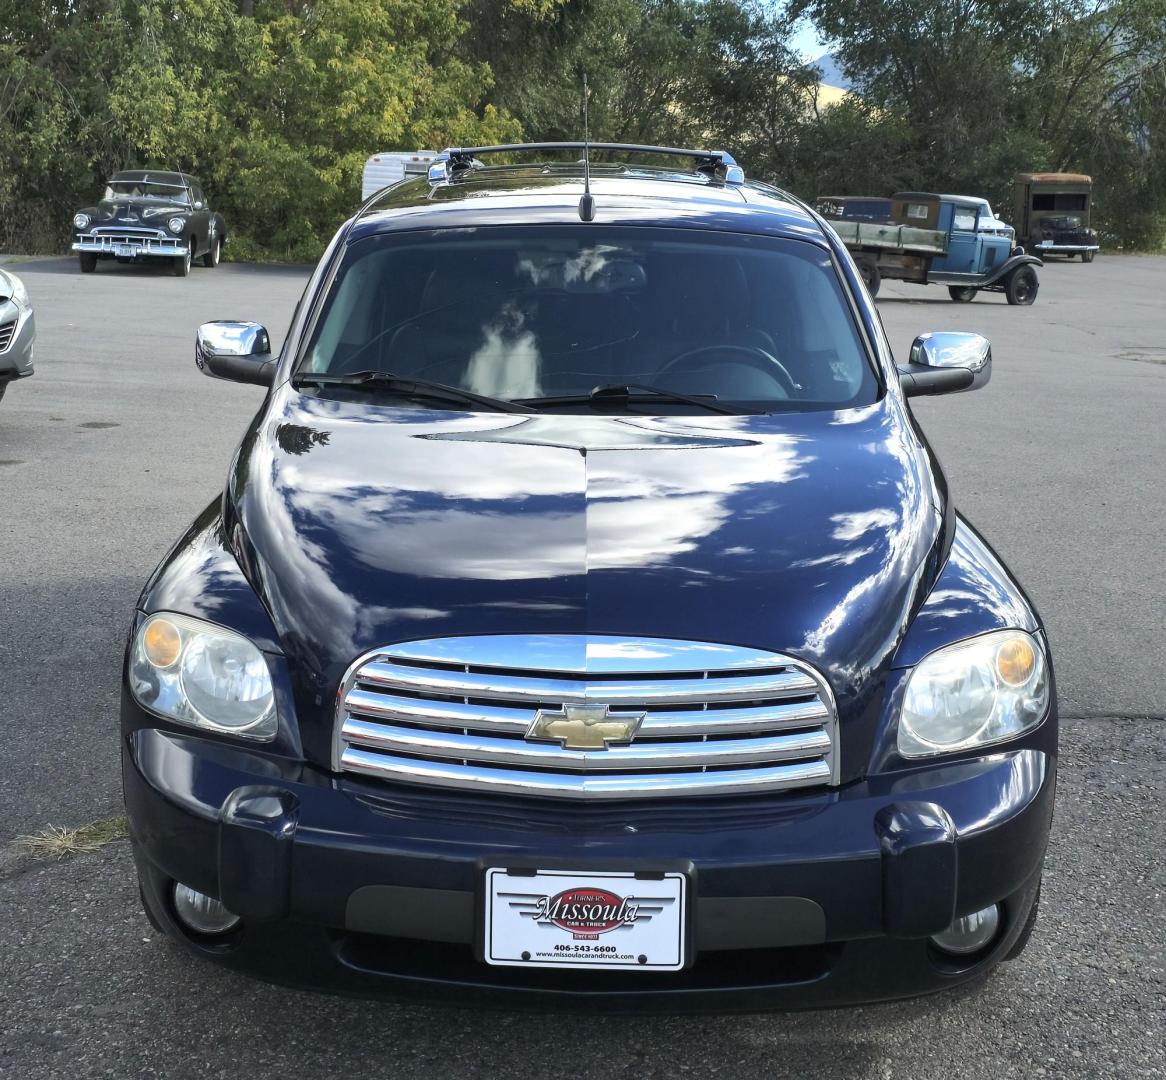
x=199, y=197
x=964, y=219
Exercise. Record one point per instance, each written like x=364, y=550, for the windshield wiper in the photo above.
x=407, y=387
x=633, y=393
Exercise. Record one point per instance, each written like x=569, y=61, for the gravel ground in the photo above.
x=117, y=442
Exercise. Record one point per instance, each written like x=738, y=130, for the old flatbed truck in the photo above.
x=941, y=240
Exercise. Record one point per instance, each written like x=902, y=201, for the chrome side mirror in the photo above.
x=238, y=351
x=945, y=363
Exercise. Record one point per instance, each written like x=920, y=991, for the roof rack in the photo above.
x=456, y=160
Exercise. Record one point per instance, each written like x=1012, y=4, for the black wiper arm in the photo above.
x=407, y=387
x=629, y=392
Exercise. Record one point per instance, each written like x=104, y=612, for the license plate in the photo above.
x=574, y=919
x=126, y=249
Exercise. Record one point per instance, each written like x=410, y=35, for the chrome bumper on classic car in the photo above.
x=1055, y=248
x=130, y=243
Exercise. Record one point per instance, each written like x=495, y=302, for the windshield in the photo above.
x=551, y=311
x=145, y=189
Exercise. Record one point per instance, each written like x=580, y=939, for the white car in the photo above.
x=17, y=330
x=986, y=219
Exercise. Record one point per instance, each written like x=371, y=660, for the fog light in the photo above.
x=201, y=913
x=971, y=933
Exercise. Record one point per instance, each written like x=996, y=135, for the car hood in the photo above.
x=359, y=524
x=133, y=210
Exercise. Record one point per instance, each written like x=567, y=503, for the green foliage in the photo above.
x=275, y=112
x=960, y=95
x=671, y=72
x=276, y=104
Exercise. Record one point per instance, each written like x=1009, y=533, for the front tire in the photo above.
x=1087, y=256
x=1026, y=933
x=150, y=916
x=181, y=264
x=211, y=259
x=87, y=261
x=962, y=294
x=1021, y=286
x=871, y=277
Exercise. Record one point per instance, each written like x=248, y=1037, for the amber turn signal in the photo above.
x=162, y=643
x=1016, y=661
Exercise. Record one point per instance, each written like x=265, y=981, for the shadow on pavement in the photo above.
x=67, y=264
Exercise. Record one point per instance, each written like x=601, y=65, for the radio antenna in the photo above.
x=587, y=202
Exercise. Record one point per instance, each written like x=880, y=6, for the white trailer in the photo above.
x=392, y=167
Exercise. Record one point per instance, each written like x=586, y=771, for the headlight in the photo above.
x=200, y=674
x=80, y=221
x=974, y=693
x=15, y=290
x=177, y=224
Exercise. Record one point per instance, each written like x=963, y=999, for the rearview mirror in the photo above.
x=945, y=363
x=238, y=351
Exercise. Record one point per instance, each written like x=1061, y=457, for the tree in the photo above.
x=674, y=72
x=276, y=111
x=963, y=94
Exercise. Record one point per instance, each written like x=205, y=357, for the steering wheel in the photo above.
x=756, y=356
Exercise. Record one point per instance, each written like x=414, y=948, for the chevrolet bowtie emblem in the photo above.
x=583, y=727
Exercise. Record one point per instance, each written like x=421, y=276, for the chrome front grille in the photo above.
x=108, y=239
x=6, y=331
x=129, y=233
x=586, y=717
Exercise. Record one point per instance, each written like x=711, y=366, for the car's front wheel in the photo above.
x=1026, y=932
x=1021, y=286
x=1087, y=256
x=150, y=916
x=962, y=294
x=211, y=259
x=871, y=277
x=181, y=264
x=87, y=261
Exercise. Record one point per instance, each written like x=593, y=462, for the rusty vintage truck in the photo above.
x=952, y=240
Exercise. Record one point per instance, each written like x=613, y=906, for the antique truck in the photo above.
x=1051, y=213
x=854, y=208
x=952, y=240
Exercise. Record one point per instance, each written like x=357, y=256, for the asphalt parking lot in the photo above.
x=115, y=444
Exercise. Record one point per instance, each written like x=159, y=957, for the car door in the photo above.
x=963, y=248
x=994, y=247
x=199, y=219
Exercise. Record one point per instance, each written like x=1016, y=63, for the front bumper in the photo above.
x=798, y=901
x=132, y=247
x=16, y=358
x=1053, y=248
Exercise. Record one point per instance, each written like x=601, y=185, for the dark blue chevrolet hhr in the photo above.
x=585, y=619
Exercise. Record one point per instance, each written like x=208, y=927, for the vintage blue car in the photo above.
x=585, y=618
x=952, y=240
